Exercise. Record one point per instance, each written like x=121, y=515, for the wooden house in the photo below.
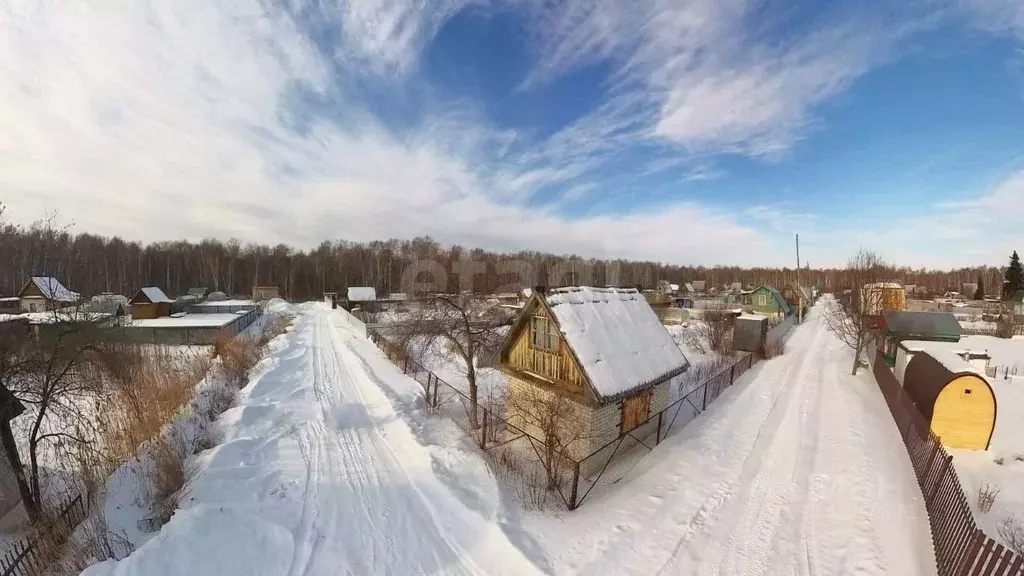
x=600, y=351
x=798, y=297
x=768, y=301
x=264, y=293
x=954, y=397
x=44, y=293
x=150, y=302
x=10, y=305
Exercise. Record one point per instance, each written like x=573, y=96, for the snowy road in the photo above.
x=795, y=470
x=373, y=504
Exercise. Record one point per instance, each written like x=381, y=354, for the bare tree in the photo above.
x=57, y=382
x=852, y=313
x=713, y=331
x=461, y=326
x=556, y=419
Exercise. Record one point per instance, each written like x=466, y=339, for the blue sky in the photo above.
x=697, y=132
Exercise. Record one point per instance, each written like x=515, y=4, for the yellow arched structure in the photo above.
x=965, y=413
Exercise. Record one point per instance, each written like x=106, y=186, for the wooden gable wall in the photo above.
x=558, y=366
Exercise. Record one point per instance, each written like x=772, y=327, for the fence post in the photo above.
x=405, y=366
x=483, y=432
x=704, y=402
x=657, y=438
x=575, y=486
x=732, y=372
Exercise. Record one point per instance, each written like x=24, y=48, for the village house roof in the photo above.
x=51, y=289
x=921, y=325
x=151, y=295
x=362, y=294
x=616, y=337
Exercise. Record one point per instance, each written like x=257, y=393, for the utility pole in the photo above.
x=800, y=296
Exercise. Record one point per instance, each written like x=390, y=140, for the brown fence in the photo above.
x=33, y=555
x=572, y=478
x=961, y=548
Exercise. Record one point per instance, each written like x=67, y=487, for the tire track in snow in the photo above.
x=770, y=478
x=364, y=509
x=766, y=432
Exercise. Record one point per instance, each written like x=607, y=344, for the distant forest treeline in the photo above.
x=92, y=264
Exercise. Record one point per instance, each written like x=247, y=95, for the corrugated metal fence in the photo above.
x=961, y=548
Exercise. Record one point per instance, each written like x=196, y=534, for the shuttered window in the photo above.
x=543, y=333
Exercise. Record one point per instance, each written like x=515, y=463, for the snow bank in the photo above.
x=616, y=336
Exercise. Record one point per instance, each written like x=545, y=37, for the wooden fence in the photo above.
x=32, y=555
x=961, y=548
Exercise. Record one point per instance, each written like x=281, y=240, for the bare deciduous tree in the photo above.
x=851, y=314
x=58, y=384
x=460, y=326
x=556, y=418
x=713, y=331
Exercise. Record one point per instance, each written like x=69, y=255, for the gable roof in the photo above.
x=616, y=337
x=783, y=305
x=362, y=294
x=51, y=289
x=918, y=325
x=151, y=295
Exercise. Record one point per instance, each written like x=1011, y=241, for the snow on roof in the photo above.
x=52, y=289
x=954, y=363
x=954, y=347
x=9, y=299
x=186, y=321
x=752, y=317
x=616, y=336
x=674, y=287
x=362, y=294
x=526, y=292
x=216, y=303
x=689, y=286
x=155, y=295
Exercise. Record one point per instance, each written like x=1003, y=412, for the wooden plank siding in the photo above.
x=559, y=366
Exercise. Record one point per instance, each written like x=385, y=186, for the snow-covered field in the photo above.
x=330, y=466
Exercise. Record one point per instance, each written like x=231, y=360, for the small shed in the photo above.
x=150, y=302
x=955, y=399
x=749, y=332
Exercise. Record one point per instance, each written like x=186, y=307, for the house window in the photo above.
x=543, y=333
x=762, y=300
x=32, y=307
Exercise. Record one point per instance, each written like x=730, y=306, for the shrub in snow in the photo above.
x=1011, y=531
x=987, y=494
x=999, y=461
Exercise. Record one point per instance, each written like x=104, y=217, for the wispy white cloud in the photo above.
x=165, y=120
x=709, y=76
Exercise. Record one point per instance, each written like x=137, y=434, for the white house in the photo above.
x=43, y=293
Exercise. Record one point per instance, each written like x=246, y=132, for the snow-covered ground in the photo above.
x=330, y=466
x=796, y=469
x=320, y=473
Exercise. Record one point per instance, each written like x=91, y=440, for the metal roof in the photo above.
x=921, y=325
